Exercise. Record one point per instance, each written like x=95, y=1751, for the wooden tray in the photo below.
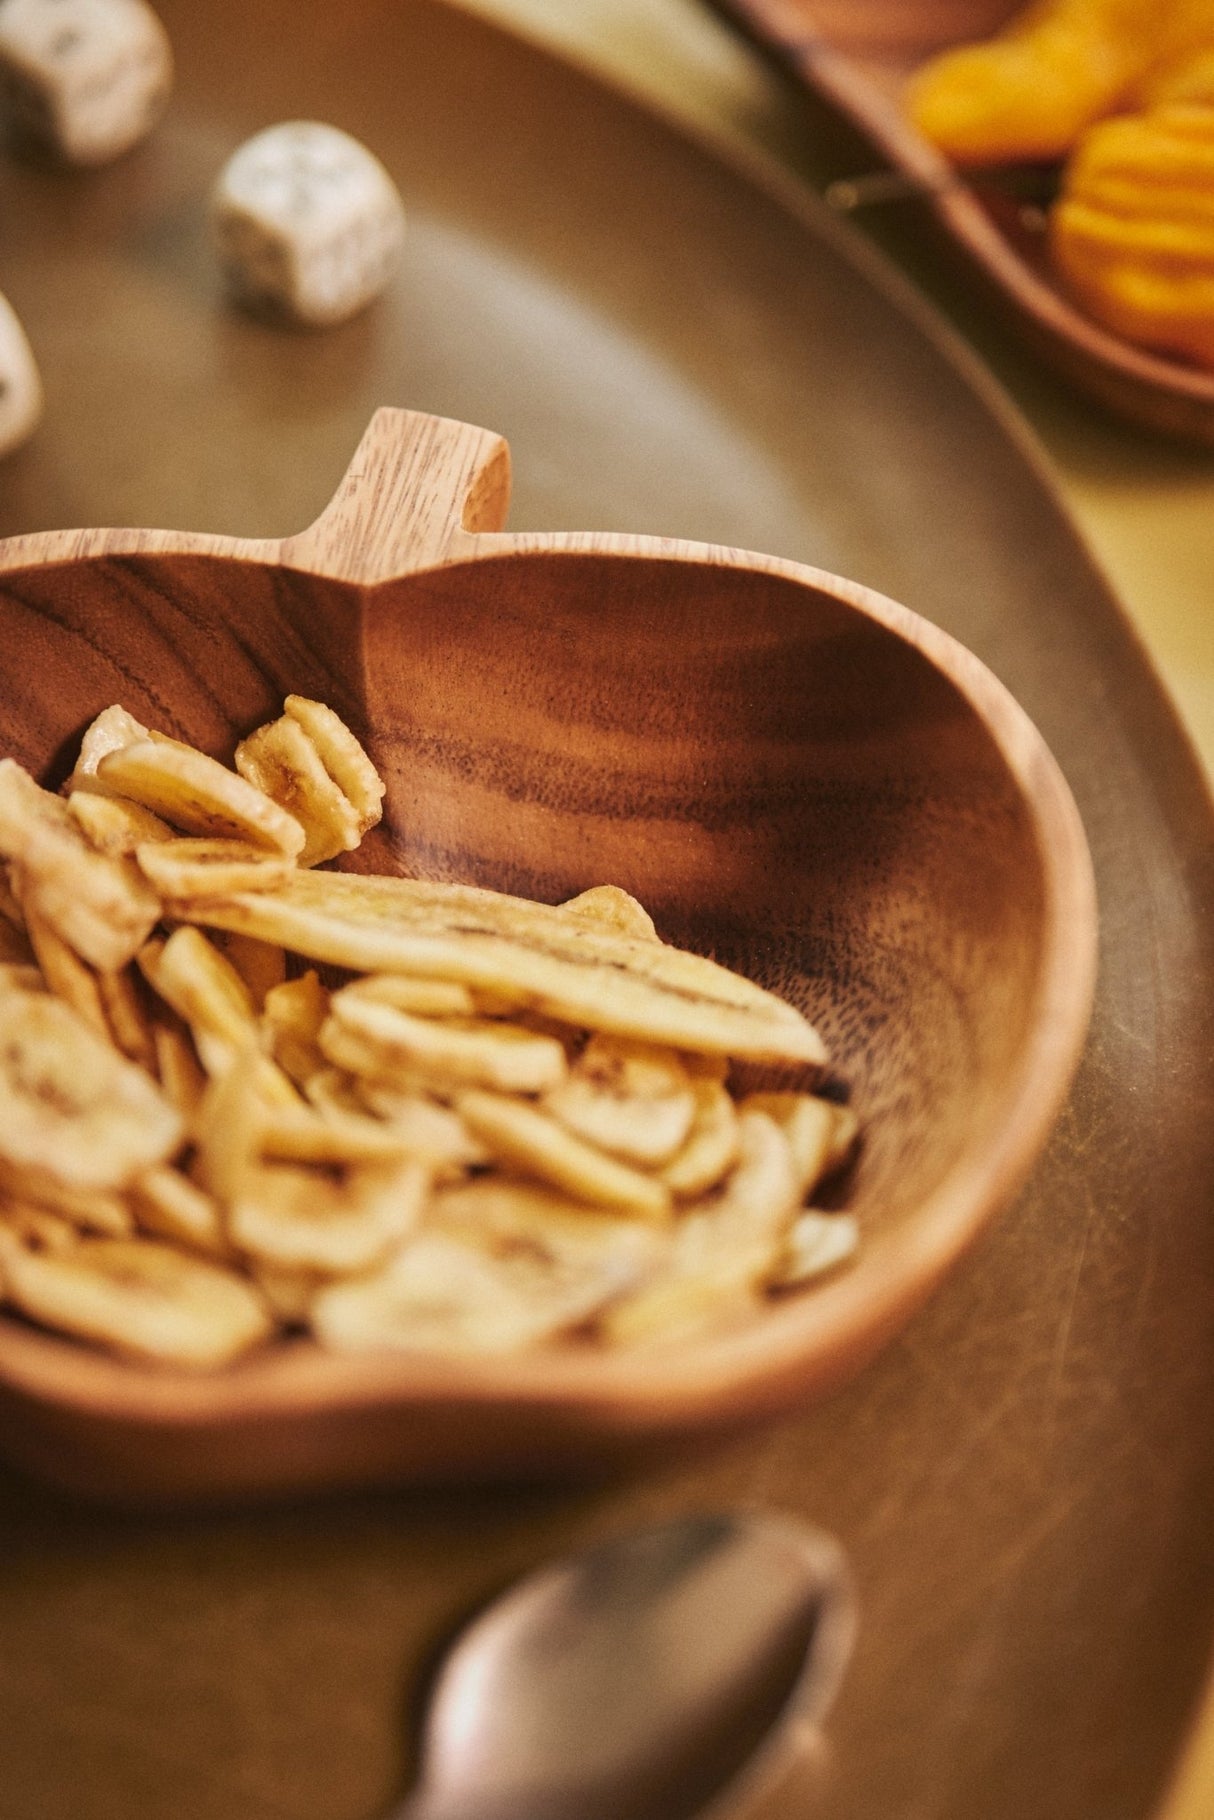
x=853, y=57
x=1025, y=1481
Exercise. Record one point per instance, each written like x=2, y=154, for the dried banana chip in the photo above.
x=11, y=917
x=141, y=1297
x=342, y=756
x=291, y=1019
x=296, y=1135
x=808, y=1124
x=331, y=1220
x=178, y=1069
x=711, y=1149
x=188, y=868
x=817, y=1242
x=96, y=1210
x=65, y=973
x=429, y=1130
x=568, y=967
x=109, y=732
x=439, y=1294
x=631, y=1099
x=128, y=1017
x=197, y=794
x=168, y=1205
x=281, y=760
x=194, y=979
x=113, y=826
x=612, y=905
x=424, y=998
x=723, y=1249
x=377, y=1040
x=71, y=1105
x=503, y=1214
x=261, y=965
x=101, y=906
x=25, y=1227
x=527, y=1140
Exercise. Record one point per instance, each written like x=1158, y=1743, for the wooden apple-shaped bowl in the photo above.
x=792, y=773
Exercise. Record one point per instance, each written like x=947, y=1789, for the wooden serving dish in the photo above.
x=854, y=57
x=789, y=770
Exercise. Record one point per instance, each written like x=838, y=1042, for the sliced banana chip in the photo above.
x=331, y=1220
x=68, y=977
x=113, y=826
x=194, y=979
x=424, y=998
x=11, y=917
x=168, y=1205
x=612, y=905
x=261, y=965
x=291, y=1019
x=25, y=1227
x=101, y=906
x=281, y=760
x=430, y=1130
x=527, y=1140
x=96, y=1210
x=632, y=1099
x=711, y=1149
x=502, y=1214
x=190, y=868
x=141, y=1297
x=342, y=757
x=112, y=729
x=197, y=794
x=817, y=1242
x=724, y=1249
x=71, y=1105
x=808, y=1124
x=377, y=1039
x=128, y=1017
x=296, y=1135
x=570, y=968
x=441, y=1294
x=178, y=1069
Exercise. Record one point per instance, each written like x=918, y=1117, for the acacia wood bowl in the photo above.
x=793, y=773
x=854, y=57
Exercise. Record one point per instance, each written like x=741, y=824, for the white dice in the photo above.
x=85, y=78
x=20, y=385
x=307, y=221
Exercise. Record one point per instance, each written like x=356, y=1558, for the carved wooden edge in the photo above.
x=416, y=489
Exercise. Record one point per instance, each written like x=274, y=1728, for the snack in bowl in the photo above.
x=490, y=1122
x=793, y=774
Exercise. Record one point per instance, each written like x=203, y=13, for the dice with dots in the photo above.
x=307, y=222
x=20, y=384
x=83, y=79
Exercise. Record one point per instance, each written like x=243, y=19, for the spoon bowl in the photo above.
x=665, y=1673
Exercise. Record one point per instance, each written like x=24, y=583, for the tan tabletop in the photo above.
x=1146, y=508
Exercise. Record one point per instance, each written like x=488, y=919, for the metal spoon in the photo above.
x=668, y=1672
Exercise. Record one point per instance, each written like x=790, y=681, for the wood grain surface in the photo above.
x=854, y=56
x=1023, y=1480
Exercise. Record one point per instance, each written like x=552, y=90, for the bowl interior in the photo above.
x=786, y=784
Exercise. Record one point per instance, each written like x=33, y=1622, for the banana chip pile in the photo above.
x=241, y=1098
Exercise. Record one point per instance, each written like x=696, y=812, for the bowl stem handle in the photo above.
x=416, y=490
